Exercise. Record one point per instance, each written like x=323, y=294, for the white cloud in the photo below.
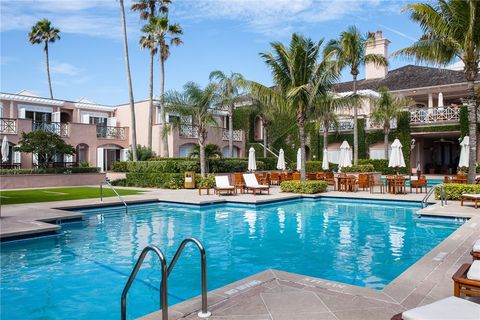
x=64, y=69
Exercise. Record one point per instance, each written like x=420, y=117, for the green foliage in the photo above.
x=316, y=166
x=359, y=168
x=241, y=117
x=232, y=165
x=404, y=135
x=211, y=151
x=380, y=165
x=304, y=187
x=205, y=182
x=362, y=146
x=84, y=164
x=442, y=128
x=155, y=180
x=463, y=121
x=50, y=170
x=269, y=163
x=454, y=191
x=45, y=144
x=144, y=153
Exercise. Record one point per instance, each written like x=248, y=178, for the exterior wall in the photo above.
x=380, y=47
x=141, y=119
x=50, y=180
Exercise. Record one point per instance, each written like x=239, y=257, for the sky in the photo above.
x=228, y=35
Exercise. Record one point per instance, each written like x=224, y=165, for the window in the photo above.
x=38, y=116
x=98, y=121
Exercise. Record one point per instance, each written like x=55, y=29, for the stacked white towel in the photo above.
x=474, y=271
x=476, y=246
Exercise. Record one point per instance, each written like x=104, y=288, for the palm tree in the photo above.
x=229, y=90
x=195, y=103
x=165, y=34
x=43, y=32
x=349, y=51
x=299, y=76
x=148, y=8
x=129, y=80
x=147, y=41
x=386, y=108
x=451, y=30
x=211, y=151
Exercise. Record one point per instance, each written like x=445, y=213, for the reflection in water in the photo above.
x=281, y=219
x=345, y=233
x=251, y=218
x=220, y=215
x=171, y=231
x=299, y=225
x=396, y=236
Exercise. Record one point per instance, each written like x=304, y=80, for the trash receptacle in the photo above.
x=189, y=180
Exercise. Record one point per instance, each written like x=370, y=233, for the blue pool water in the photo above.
x=81, y=273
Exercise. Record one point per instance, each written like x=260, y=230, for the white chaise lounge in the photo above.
x=223, y=185
x=251, y=183
x=475, y=198
x=445, y=309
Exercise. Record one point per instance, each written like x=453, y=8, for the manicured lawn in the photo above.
x=58, y=194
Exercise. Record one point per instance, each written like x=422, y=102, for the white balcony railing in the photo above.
x=107, y=132
x=8, y=126
x=237, y=135
x=188, y=131
x=372, y=125
x=60, y=128
x=434, y=115
x=343, y=125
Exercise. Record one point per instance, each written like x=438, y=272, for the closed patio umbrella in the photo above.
x=299, y=159
x=5, y=149
x=464, y=149
x=345, y=155
x=281, y=160
x=252, y=164
x=396, y=157
x=325, y=165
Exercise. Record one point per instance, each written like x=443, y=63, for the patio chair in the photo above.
x=475, y=198
x=363, y=181
x=459, y=178
x=238, y=182
x=420, y=183
x=447, y=179
x=376, y=183
x=352, y=183
x=275, y=178
x=467, y=280
x=222, y=184
x=251, y=183
x=311, y=176
x=320, y=175
x=330, y=178
x=296, y=176
x=475, y=253
x=447, y=308
x=399, y=185
x=477, y=180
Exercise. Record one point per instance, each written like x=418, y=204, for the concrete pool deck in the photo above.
x=274, y=294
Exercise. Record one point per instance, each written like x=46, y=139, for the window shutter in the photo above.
x=17, y=157
x=112, y=122
x=56, y=117
x=21, y=113
x=100, y=161
x=123, y=154
x=86, y=118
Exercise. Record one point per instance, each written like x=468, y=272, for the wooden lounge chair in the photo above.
x=475, y=253
x=296, y=176
x=467, y=280
x=447, y=308
x=251, y=183
x=420, y=183
x=275, y=178
x=223, y=185
x=376, y=183
x=475, y=198
x=238, y=182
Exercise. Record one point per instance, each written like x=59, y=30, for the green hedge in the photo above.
x=305, y=187
x=50, y=170
x=154, y=180
x=463, y=115
x=454, y=190
x=359, y=168
x=315, y=166
x=381, y=165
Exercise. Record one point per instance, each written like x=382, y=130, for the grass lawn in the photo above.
x=58, y=194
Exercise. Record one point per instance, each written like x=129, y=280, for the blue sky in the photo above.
x=218, y=34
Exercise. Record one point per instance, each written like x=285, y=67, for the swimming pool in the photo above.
x=430, y=182
x=81, y=273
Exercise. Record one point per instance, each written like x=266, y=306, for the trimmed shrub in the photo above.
x=359, y=168
x=304, y=187
x=381, y=165
x=154, y=180
x=270, y=163
x=454, y=190
x=50, y=170
x=207, y=182
x=315, y=166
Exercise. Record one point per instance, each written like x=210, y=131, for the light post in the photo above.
x=412, y=147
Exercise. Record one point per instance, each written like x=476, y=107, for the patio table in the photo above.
x=397, y=184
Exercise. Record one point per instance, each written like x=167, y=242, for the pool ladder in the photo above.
x=443, y=194
x=204, y=313
x=108, y=183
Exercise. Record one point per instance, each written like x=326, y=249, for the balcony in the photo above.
x=60, y=128
x=8, y=126
x=188, y=131
x=107, y=132
x=421, y=116
x=237, y=135
x=372, y=125
x=343, y=125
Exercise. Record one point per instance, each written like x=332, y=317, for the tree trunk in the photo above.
x=326, y=124
x=47, y=65
x=386, y=131
x=150, y=107
x=265, y=138
x=472, y=130
x=163, y=120
x=301, y=129
x=201, y=144
x=230, y=130
x=355, y=124
x=129, y=80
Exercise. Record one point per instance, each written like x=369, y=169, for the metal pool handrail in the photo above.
x=204, y=313
x=443, y=195
x=163, y=284
x=115, y=191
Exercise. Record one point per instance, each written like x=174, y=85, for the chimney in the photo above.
x=377, y=46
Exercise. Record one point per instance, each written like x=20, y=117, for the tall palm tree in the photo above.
x=147, y=41
x=451, y=30
x=198, y=104
x=299, y=75
x=43, y=32
x=148, y=8
x=349, y=51
x=229, y=87
x=386, y=108
x=165, y=34
x=129, y=81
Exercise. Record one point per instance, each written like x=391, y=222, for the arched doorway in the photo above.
x=82, y=153
x=107, y=154
x=185, y=149
x=236, y=151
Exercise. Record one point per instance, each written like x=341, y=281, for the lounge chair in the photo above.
x=296, y=176
x=476, y=250
x=363, y=181
x=330, y=178
x=238, y=182
x=470, y=197
x=223, y=185
x=445, y=309
x=467, y=280
x=251, y=183
x=420, y=183
x=376, y=183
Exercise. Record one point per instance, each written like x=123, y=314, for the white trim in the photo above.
x=35, y=108
x=22, y=98
x=100, y=159
x=98, y=107
x=94, y=114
